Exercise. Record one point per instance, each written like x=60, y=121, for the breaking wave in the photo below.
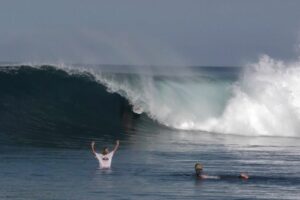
x=260, y=99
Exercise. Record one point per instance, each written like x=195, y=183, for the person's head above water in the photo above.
x=198, y=169
x=105, y=151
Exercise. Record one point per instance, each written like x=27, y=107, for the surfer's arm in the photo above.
x=93, y=147
x=243, y=176
x=209, y=177
x=204, y=177
x=116, y=146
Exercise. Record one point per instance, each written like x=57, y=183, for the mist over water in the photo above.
x=265, y=101
x=102, y=71
x=262, y=98
x=259, y=99
x=166, y=120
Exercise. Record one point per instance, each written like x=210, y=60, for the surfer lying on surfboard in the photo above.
x=105, y=157
x=199, y=173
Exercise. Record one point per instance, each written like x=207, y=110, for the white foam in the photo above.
x=265, y=101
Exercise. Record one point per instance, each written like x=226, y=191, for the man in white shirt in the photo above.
x=105, y=157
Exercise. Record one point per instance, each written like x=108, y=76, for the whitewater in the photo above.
x=263, y=100
x=260, y=99
x=231, y=119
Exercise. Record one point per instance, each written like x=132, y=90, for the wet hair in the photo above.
x=198, y=166
x=198, y=169
x=103, y=150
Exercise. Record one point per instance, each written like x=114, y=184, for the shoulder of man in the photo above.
x=98, y=155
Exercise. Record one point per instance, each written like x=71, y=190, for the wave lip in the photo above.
x=263, y=100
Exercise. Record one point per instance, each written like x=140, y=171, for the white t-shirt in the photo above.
x=105, y=160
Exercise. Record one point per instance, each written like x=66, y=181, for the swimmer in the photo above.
x=105, y=157
x=199, y=173
x=199, y=170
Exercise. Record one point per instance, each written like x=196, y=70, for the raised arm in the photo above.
x=93, y=147
x=117, y=145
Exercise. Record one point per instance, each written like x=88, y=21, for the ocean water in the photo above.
x=231, y=120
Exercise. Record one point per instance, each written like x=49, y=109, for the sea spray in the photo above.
x=174, y=99
x=262, y=100
x=265, y=101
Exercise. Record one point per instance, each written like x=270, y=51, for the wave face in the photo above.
x=48, y=105
x=261, y=99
